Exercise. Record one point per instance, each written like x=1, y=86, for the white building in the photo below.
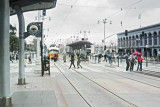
x=138, y=39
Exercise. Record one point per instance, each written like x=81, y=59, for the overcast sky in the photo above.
x=72, y=16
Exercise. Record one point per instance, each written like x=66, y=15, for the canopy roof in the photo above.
x=30, y=5
x=80, y=44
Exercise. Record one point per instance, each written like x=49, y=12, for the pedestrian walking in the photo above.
x=11, y=59
x=64, y=57
x=72, y=61
x=127, y=62
x=114, y=58
x=99, y=58
x=139, y=66
x=110, y=58
x=29, y=59
x=78, y=61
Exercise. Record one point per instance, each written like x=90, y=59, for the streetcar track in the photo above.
x=126, y=77
x=130, y=103
x=142, y=74
x=73, y=86
x=114, y=66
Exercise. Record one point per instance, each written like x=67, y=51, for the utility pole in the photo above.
x=38, y=40
x=104, y=21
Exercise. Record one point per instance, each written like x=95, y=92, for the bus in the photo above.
x=53, y=53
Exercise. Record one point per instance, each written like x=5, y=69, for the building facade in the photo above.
x=145, y=40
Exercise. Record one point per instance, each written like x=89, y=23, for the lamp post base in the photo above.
x=5, y=102
x=21, y=81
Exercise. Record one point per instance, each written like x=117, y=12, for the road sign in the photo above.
x=35, y=28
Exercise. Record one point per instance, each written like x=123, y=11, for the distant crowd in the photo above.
x=131, y=60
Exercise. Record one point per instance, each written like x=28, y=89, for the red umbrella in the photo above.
x=136, y=53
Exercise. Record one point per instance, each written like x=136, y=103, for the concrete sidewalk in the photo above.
x=37, y=92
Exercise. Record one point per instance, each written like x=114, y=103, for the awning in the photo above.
x=31, y=5
x=80, y=44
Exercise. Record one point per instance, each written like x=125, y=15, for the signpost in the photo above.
x=36, y=29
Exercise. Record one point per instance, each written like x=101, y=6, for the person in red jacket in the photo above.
x=140, y=59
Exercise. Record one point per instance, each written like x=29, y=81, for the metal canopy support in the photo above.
x=21, y=78
x=5, y=97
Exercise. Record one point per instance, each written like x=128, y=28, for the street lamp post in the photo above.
x=147, y=46
x=85, y=33
x=104, y=21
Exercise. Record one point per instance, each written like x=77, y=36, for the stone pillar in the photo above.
x=143, y=52
x=131, y=42
x=157, y=52
x=143, y=41
x=21, y=78
x=152, y=50
x=5, y=95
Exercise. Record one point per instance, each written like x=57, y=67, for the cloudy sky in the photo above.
x=72, y=16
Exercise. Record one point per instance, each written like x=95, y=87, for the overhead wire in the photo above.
x=124, y=8
x=79, y=6
x=115, y=13
x=67, y=15
x=133, y=4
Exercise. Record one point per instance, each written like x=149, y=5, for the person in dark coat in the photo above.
x=64, y=57
x=132, y=62
x=78, y=61
x=29, y=58
x=72, y=61
x=99, y=57
x=127, y=62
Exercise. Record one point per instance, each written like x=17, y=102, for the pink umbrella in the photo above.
x=136, y=53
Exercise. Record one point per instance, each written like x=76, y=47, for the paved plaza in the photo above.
x=53, y=90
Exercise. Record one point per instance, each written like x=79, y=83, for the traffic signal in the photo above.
x=44, y=12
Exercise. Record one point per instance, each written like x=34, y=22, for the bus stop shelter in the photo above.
x=7, y=8
x=80, y=45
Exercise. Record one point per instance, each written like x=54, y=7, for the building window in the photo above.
x=118, y=42
x=121, y=42
x=150, y=39
x=141, y=40
x=133, y=41
x=155, y=38
x=124, y=42
x=159, y=37
x=145, y=39
x=137, y=41
x=129, y=41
